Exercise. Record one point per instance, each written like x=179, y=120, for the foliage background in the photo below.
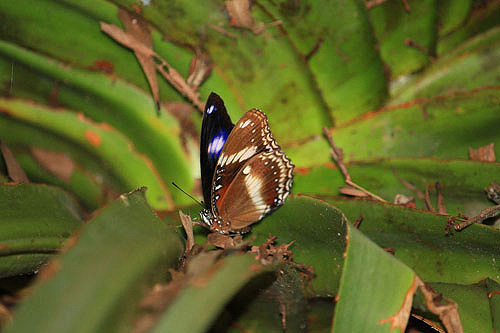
x=402, y=91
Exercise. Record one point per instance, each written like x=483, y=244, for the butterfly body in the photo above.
x=245, y=175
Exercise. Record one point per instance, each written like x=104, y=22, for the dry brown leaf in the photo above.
x=14, y=169
x=440, y=200
x=223, y=241
x=187, y=223
x=493, y=192
x=241, y=16
x=126, y=39
x=446, y=309
x=403, y=200
x=57, y=163
x=483, y=154
x=199, y=69
x=349, y=190
x=168, y=72
x=138, y=28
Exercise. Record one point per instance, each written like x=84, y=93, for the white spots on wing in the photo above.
x=254, y=186
x=249, y=152
x=245, y=124
x=223, y=159
x=246, y=170
x=238, y=157
x=211, y=109
x=218, y=187
x=216, y=145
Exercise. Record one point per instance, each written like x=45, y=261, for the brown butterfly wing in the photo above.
x=250, y=136
x=259, y=187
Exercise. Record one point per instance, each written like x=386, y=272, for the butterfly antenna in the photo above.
x=189, y=195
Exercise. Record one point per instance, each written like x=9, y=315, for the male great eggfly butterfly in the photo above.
x=244, y=174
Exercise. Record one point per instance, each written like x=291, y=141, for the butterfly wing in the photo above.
x=251, y=135
x=215, y=129
x=259, y=187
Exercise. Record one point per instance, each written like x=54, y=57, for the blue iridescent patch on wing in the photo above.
x=216, y=144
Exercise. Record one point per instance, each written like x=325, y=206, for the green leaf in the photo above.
x=373, y=288
x=462, y=182
x=393, y=26
x=98, y=282
x=353, y=81
x=205, y=295
x=317, y=230
x=419, y=239
x=36, y=221
x=129, y=166
x=115, y=102
x=473, y=305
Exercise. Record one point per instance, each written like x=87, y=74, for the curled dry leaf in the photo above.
x=130, y=40
x=493, y=192
x=351, y=191
x=483, y=154
x=138, y=28
x=57, y=163
x=187, y=223
x=403, y=200
x=241, y=16
x=224, y=241
x=199, y=69
x=446, y=309
x=14, y=169
x=440, y=200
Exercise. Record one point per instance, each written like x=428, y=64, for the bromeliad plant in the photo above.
x=101, y=98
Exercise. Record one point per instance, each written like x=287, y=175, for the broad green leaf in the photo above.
x=113, y=101
x=452, y=14
x=493, y=289
x=480, y=18
x=348, y=71
x=473, y=304
x=419, y=239
x=132, y=168
x=263, y=306
x=373, y=288
x=462, y=182
x=317, y=230
x=393, y=26
x=82, y=184
x=440, y=128
x=260, y=71
x=205, y=295
x=35, y=220
x=459, y=76
x=75, y=38
x=98, y=282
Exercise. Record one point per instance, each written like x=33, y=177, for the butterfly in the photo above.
x=244, y=174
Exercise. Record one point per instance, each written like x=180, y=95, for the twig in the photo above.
x=176, y=80
x=338, y=157
x=411, y=43
x=358, y=222
x=427, y=199
x=411, y=187
x=465, y=221
x=440, y=200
